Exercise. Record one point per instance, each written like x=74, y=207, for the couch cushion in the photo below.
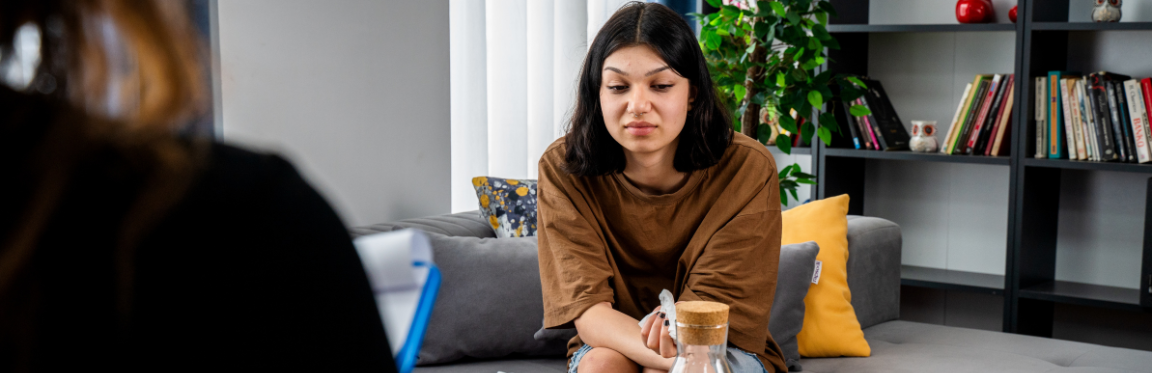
x=874, y=269
x=468, y=224
x=903, y=346
x=552, y=365
x=797, y=263
x=489, y=303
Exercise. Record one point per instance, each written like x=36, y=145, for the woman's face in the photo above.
x=644, y=102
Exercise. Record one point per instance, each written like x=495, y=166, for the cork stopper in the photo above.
x=702, y=323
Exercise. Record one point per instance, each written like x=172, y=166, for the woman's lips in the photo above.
x=639, y=128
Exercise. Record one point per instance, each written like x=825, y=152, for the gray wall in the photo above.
x=354, y=92
x=954, y=216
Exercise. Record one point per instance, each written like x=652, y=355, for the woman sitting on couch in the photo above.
x=649, y=190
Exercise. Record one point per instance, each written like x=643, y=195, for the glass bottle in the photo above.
x=701, y=338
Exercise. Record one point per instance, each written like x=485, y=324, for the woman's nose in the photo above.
x=638, y=102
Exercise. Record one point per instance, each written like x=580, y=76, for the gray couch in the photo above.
x=490, y=306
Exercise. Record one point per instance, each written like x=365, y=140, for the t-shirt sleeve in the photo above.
x=738, y=267
x=575, y=273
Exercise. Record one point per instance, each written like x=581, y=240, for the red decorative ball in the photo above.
x=974, y=11
x=1012, y=14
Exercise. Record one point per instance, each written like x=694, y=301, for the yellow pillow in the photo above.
x=830, y=325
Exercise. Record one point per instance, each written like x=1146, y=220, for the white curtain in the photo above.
x=514, y=66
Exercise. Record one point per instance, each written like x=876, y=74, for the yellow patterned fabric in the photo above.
x=509, y=205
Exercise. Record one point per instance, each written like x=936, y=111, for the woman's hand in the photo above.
x=655, y=335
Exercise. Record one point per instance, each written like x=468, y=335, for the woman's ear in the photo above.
x=691, y=97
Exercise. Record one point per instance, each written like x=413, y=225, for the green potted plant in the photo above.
x=764, y=54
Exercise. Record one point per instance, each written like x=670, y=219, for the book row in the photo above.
x=983, y=120
x=1100, y=117
x=881, y=129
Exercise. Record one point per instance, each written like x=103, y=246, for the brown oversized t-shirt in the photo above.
x=717, y=239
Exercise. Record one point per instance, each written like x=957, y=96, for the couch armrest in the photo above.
x=464, y=224
x=874, y=269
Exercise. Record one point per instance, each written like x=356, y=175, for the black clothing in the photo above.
x=252, y=270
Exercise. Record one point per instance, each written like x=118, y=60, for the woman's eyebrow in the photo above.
x=618, y=71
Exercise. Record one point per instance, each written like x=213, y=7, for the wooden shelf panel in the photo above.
x=913, y=156
x=862, y=28
x=951, y=280
x=1085, y=294
x=1086, y=165
x=1091, y=26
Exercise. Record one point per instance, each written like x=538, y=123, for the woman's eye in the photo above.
x=617, y=88
x=662, y=87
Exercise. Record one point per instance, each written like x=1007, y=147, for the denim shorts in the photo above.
x=739, y=360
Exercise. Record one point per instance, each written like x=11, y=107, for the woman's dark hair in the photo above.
x=590, y=150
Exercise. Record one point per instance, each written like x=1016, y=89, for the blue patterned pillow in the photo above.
x=509, y=205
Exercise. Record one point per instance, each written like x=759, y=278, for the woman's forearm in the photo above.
x=602, y=326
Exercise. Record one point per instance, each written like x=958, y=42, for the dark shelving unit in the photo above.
x=936, y=278
x=797, y=150
x=1084, y=294
x=1029, y=286
x=1091, y=26
x=913, y=156
x=861, y=28
x=1091, y=166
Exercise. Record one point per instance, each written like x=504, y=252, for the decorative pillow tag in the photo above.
x=509, y=205
x=816, y=273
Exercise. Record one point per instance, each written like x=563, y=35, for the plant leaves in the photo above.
x=763, y=133
x=859, y=110
x=780, y=79
x=815, y=98
x=722, y=32
x=793, y=18
x=856, y=81
x=822, y=17
x=713, y=41
x=820, y=32
x=784, y=143
x=792, y=191
x=827, y=7
x=825, y=135
x=778, y=8
x=787, y=123
x=715, y=3
x=740, y=91
x=806, y=181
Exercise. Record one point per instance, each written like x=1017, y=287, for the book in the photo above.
x=868, y=126
x=1119, y=134
x=956, y=118
x=406, y=282
x=1126, y=120
x=982, y=115
x=1135, y=107
x=1041, y=117
x=892, y=133
x=1101, y=117
x=1146, y=94
x=973, y=111
x=979, y=139
x=970, y=101
x=850, y=122
x=1079, y=151
x=1056, y=144
x=1003, y=133
x=1085, y=120
x=1069, y=119
x=1142, y=111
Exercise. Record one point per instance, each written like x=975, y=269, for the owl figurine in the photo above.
x=1107, y=10
x=923, y=137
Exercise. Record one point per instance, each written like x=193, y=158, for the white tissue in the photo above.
x=668, y=307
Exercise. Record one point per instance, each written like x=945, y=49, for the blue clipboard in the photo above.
x=406, y=357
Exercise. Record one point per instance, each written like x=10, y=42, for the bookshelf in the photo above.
x=1029, y=286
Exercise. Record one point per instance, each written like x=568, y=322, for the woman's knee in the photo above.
x=601, y=359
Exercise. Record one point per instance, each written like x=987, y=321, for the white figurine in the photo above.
x=923, y=136
x=1107, y=10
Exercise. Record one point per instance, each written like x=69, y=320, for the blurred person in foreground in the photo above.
x=125, y=246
